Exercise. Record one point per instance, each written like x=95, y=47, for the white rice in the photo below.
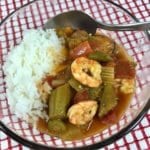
x=37, y=55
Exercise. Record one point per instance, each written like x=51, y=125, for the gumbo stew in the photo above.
x=92, y=87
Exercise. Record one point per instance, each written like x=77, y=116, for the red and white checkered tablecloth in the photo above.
x=139, y=138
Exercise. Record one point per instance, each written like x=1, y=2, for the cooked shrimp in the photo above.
x=86, y=71
x=82, y=112
x=127, y=86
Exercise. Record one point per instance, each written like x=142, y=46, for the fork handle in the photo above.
x=138, y=26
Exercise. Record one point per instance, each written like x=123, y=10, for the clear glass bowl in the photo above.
x=34, y=15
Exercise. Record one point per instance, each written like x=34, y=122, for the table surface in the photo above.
x=139, y=138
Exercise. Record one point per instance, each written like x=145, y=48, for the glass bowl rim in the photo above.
x=101, y=144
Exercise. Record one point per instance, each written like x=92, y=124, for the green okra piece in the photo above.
x=59, y=102
x=57, y=126
x=75, y=84
x=100, y=56
x=108, y=100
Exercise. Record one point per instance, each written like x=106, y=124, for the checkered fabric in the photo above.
x=139, y=138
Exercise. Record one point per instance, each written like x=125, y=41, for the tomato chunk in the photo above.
x=81, y=96
x=49, y=79
x=83, y=49
x=110, y=118
x=124, y=69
